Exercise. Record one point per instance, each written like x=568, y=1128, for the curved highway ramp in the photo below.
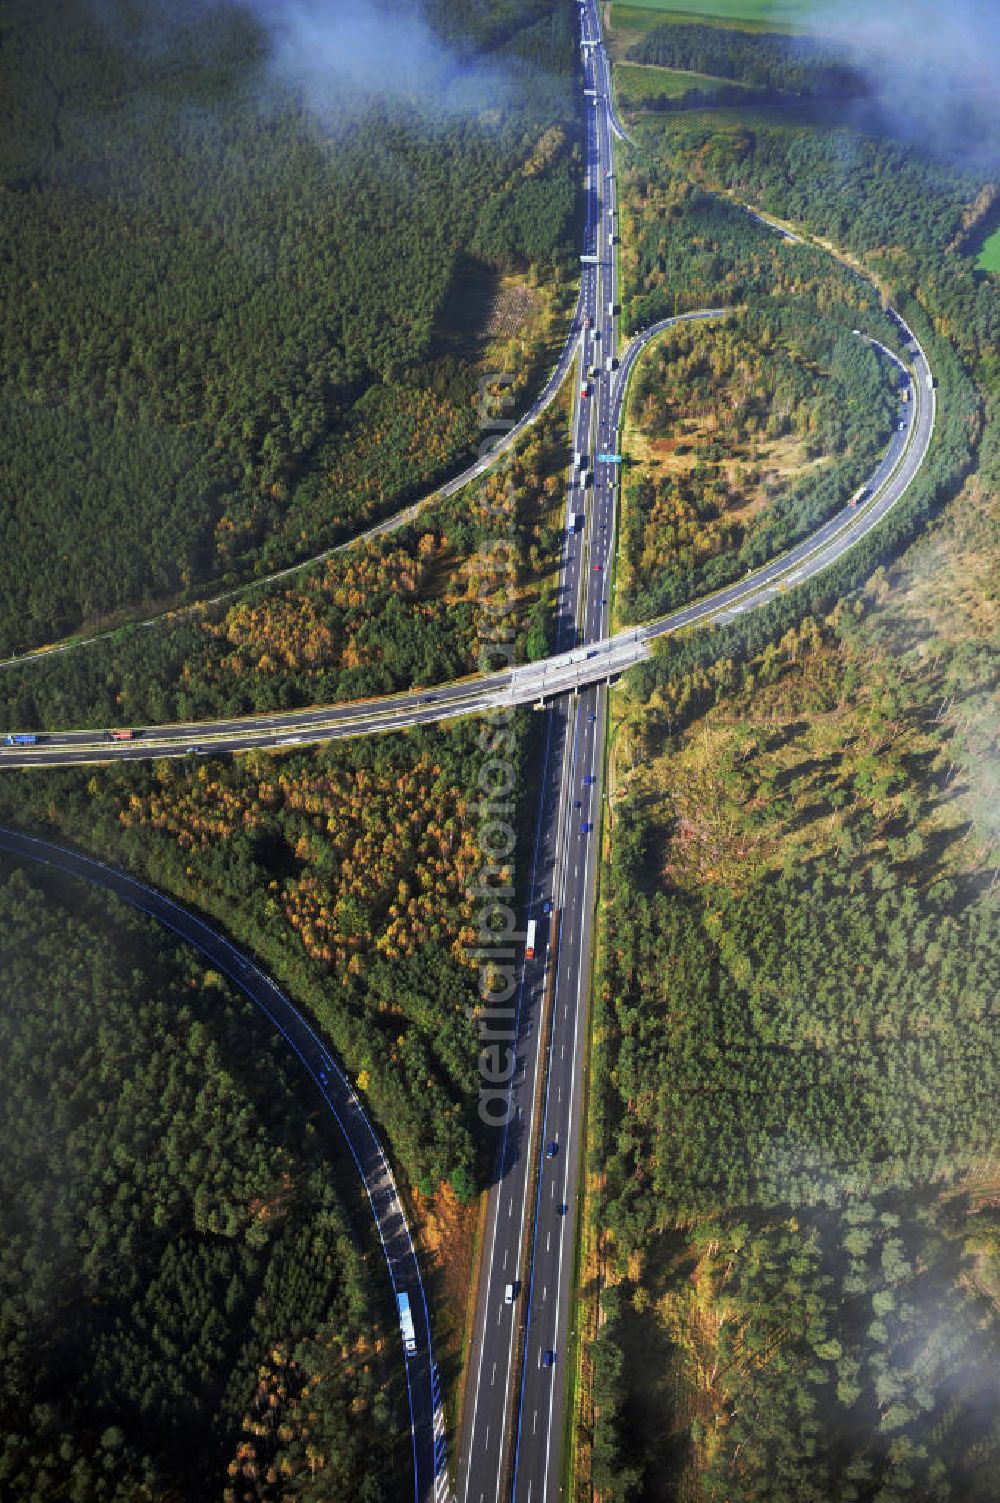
x=430, y=1482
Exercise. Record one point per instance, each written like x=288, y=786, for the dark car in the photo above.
x=551, y=1149
x=589, y=780
x=548, y=1358
x=587, y=827
x=577, y=804
x=547, y=906
x=591, y=717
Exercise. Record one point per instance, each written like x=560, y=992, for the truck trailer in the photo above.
x=406, y=1325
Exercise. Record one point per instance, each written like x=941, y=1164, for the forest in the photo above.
x=388, y=613
x=346, y=871
x=686, y=247
x=700, y=160
x=741, y=439
x=189, y=1305
x=905, y=214
x=793, y=1089
x=797, y=1131
x=798, y=1134
x=787, y=372
x=226, y=309
x=794, y=1120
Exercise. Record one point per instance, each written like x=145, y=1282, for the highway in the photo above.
x=576, y=665
x=511, y=1445
x=517, y=1371
x=489, y=456
x=426, y=1415
x=549, y=1290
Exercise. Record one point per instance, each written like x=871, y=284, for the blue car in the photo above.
x=547, y=907
x=551, y=1149
x=589, y=780
x=548, y=1359
x=587, y=827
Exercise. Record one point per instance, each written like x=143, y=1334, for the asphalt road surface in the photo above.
x=515, y=1402
x=430, y=1481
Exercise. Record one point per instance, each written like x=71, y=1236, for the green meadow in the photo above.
x=748, y=15
x=639, y=81
x=989, y=257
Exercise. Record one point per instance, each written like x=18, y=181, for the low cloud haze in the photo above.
x=336, y=52
x=932, y=67
x=335, y=55
x=331, y=45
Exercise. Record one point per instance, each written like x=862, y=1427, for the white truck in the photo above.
x=406, y=1325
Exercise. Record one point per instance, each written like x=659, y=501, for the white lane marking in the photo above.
x=494, y=1375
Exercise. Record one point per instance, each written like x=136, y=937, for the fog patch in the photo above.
x=338, y=55
x=930, y=69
